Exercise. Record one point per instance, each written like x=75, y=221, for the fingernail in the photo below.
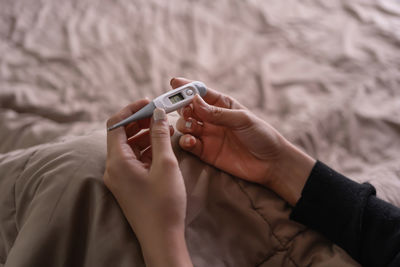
x=188, y=124
x=186, y=111
x=199, y=99
x=201, y=102
x=171, y=81
x=158, y=114
x=187, y=140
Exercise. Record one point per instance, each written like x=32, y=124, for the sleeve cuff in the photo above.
x=333, y=205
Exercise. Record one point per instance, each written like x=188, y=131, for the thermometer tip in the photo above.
x=109, y=129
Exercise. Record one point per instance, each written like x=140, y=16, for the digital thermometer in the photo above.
x=170, y=101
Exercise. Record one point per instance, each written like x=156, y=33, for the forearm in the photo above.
x=165, y=248
x=350, y=215
x=291, y=173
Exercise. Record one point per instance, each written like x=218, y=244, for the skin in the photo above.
x=218, y=130
x=138, y=170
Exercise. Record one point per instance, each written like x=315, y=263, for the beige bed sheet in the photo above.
x=324, y=73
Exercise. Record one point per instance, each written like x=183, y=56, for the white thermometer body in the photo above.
x=170, y=101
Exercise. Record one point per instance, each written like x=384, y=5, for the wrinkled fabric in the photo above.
x=56, y=211
x=324, y=73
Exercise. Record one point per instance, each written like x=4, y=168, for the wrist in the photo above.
x=166, y=248
x=291, y=173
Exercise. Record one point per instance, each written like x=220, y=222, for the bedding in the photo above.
x=56, y=211
x=326, y=74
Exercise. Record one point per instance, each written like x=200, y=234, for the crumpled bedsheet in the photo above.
x=324, y=73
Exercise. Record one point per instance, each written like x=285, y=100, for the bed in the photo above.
x=326, y=74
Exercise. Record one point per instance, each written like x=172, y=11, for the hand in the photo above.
x=143, y=174
x=223, y=133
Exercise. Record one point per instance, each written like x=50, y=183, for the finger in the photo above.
x=142, y=140
x=212, y=96
x=160, y=138
x=136, y=151
x=233, y=118
x=185, y=109
x=189, y=126
x=146, y=156
x=178, y=82
x=117, y=137
x=187, y=112
x=135, y=127
x=191, y=144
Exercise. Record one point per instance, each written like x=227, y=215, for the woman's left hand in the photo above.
x=143, y=174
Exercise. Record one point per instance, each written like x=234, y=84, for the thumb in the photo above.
x=160, y=135
x=232, y=118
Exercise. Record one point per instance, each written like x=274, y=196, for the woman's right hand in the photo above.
x=222, y=132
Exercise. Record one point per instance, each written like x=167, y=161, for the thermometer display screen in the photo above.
x=176, y=98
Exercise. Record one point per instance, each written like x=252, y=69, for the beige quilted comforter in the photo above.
x=324, y=73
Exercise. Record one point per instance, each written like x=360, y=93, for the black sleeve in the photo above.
x=349, y=214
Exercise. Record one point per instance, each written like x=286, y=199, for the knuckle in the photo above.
x=168, y=162
x=158, y=132
x=245, y=119
x=247, y=116
x=111, y=171
x=227, y=101
x=110, y=180
x=180, y=123
x=107, y=180
x=216, y=111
